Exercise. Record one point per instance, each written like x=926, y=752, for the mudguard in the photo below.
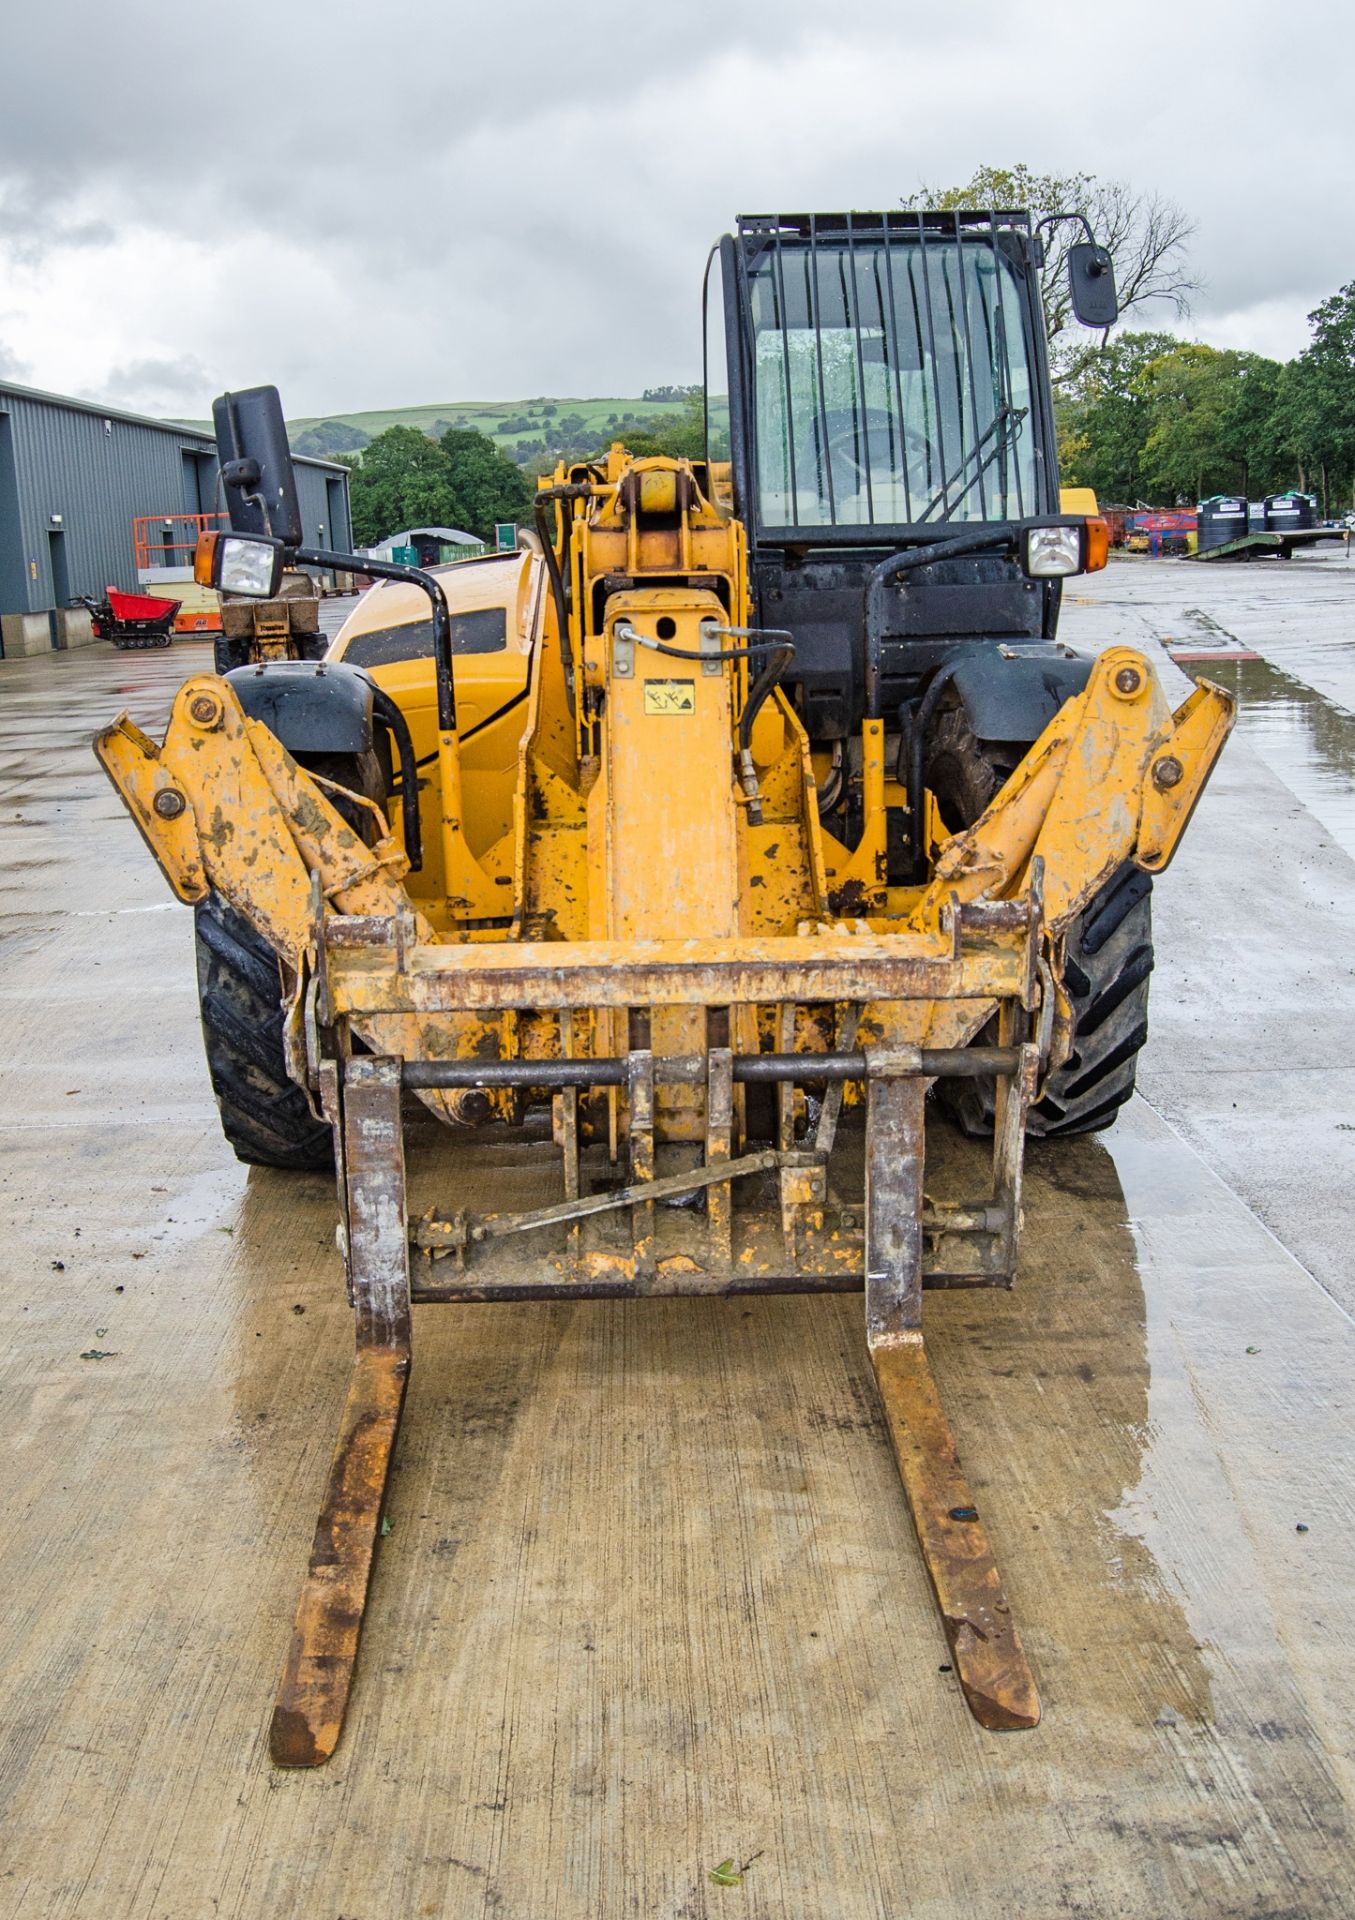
x=311, y=706
x=1013, y=696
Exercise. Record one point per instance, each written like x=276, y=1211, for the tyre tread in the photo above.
x=1107, y=967
x=265, y=1116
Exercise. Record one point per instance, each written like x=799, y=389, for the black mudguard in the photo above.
x=1013, y=696
x=311, y=706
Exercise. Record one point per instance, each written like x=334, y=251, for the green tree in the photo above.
x=404, y=479
x=1152, y=417
x=1106, y=416
x=1247, y=427
x=328, y=439
x=483, y=484
x=401, y=480
x=1314, y=415
x=680, y=437
x=1145, y=233
x=1210, y=425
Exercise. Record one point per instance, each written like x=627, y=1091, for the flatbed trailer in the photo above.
x=1252, y=546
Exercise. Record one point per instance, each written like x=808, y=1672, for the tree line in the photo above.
x=403, y=478
x=406, y=478
x=1147, y=417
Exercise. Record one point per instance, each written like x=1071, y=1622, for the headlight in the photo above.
x=1051, y=552
x=239, y=563
x=248, y=566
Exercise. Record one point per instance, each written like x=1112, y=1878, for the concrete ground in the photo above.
x=651, y=1599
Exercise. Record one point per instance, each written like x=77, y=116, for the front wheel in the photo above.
x=1109, y=958
x=265, y=1116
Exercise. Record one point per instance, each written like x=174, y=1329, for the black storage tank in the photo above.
x=1223, y=517
x=1285, y=512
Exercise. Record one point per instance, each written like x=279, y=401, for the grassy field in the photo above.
x=511, y=424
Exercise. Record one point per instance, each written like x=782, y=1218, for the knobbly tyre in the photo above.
x=693, y=843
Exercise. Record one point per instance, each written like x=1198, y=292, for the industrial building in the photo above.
x=73, y=479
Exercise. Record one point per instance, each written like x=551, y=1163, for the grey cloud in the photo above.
x=492, y=202
x=159, y=384
x=30, y=229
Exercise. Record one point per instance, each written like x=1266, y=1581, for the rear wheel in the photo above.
x=1109, y=961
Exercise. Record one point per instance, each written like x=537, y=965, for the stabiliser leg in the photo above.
x=985, y=1647
x=308, y=1717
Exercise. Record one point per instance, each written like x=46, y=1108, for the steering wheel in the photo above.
x=844, y=432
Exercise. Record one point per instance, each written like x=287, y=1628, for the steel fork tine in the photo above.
x=312, y=1699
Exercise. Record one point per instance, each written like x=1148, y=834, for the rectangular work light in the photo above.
x=239, y=563
x=1053, y=552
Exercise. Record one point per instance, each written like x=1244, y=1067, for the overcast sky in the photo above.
x=386, y=206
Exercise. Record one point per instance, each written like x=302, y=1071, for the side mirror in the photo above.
x=256, y=465
x=1091, y=285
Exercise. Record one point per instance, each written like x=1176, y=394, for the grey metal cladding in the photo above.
x=98, y=469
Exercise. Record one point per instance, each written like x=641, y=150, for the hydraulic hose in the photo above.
x=831, y=791
x=917, y=744
x=781, y=651
x=398, y=727
x=557, y=585
x=773, y=641
x=900, y=564
x=774, y=637
x=417, y=577
x=557, y=565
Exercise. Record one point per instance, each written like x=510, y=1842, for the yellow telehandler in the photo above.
x=689, y=846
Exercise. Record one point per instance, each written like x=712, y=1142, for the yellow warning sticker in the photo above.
x=670, y=696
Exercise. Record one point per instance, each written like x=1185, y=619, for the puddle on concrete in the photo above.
x=1211, y=1509
x=1304, y=738
x=209, y=1200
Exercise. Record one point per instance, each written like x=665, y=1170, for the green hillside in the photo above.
x=523, y=429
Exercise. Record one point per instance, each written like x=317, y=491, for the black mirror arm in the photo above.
x=442, y=619
x=1055, y=219
x=244, y=476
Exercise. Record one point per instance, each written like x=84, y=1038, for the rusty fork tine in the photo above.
x=308, y=1717
x=984, y=1644
x=312, y=1699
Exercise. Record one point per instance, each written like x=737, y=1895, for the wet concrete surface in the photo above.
x=1252, y=1056
x=651, y=1598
